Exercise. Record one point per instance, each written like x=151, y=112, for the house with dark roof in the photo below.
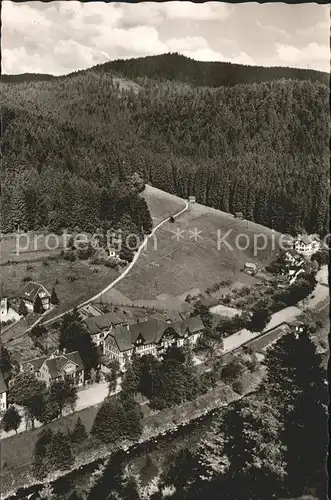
x=150, y=337
x=31, y=291
x=58, y=366
x=3, y=393
x=100, y=326
x=306, y=244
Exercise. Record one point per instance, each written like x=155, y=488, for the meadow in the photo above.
x=174, y=266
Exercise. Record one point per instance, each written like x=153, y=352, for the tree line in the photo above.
x=259, y=148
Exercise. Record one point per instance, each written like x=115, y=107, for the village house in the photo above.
x=191, y=199
x=100, y=326
x=31, y=291
x=3, y=393
x=238, y=215
x=150, y=337
x=7, y=312
x=58, y=366
x=306, y=244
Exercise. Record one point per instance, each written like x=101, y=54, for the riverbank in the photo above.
x=155, y=424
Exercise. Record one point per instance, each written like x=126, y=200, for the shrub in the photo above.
x=238, y=387
x=112, y=263
x=85, y=252
x=97, y=261
x=232, y=370
x=26, y=279
x=70, y=256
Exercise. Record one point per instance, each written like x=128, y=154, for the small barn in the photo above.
x=191, y=199
x=238, y=215
x=111, y=253
x=250, y=266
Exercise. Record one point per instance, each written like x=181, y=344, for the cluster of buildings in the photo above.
x=117, y=340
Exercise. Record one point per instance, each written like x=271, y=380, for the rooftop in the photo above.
x=55, y=363
x=151, y=331
x=96, y=324
x=31, y=290
x=306, y=239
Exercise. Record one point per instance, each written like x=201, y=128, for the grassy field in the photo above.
x=33, y=247
x=170, y=268
x=75, y=281
x=17, y=451
x=167, y=271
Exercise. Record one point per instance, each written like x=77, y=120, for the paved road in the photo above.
x=89, y=396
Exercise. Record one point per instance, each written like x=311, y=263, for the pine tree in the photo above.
x=78, y=434
x=54, y=298
x=38, y=306
x=130, y=381
x=60, y=453
x=47, y=493
x=108, y=423
x=22, y=309
x=41, y=464
x=296, y=384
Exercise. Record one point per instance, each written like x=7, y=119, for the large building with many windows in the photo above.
x=307, y=244
x=150, y=337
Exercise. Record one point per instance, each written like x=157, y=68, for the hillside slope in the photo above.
x=172, y=267
x=260, y=148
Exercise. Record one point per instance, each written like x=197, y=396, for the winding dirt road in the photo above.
x=122, y=275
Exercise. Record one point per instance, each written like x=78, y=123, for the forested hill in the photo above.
x=260, y=148
x=211, y=74
x=179, y=68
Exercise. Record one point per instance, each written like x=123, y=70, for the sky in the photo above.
x=61, y=37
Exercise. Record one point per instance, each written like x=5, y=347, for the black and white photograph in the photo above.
x=164, y=250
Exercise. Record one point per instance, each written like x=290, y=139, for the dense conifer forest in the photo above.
x=240, y=139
